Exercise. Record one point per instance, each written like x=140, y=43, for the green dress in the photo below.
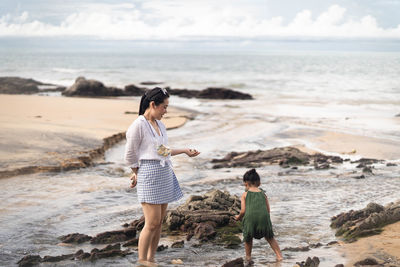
x=256, y=221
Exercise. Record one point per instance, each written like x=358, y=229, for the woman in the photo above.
x=147, y=154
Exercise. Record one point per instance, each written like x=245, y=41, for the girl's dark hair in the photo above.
x=252, y=177
x=158, y=95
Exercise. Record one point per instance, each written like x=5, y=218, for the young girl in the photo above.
x=255, y=213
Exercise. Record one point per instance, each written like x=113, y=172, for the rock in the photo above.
x=362, y=176
x=133, y=90
x=207, y=218
x=284, y=156
x=81, y=255
x=83, y=87
x=204, y=232
x=133, y=242
x=210, y=93
x=58, y=258
x=366, y=161
x=161, y=248
x=222, y=93
x=109, y=251
x=296, y=249
x=391, y=164
x=368, y=221
x=29, y=260
x=17, y=85
x=234, y=263
x=178, y=244
x=114, y=236
x=367, y=170
x=332, y=243
x=138, y=224
x=75, y=238
x=398, y=115
x=314, y=262
x=339, y=265
x=150, y=83
x=367, y=261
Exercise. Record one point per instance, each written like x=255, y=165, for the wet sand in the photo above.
x=380, y=247
x=314, y=140
x=45, y=130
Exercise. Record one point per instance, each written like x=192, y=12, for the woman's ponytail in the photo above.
x=144, y=104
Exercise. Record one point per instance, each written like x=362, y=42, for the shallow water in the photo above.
x=38, y=208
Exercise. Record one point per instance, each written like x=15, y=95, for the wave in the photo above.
x=67, y=70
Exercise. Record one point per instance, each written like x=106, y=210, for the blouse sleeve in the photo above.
x=133, y=140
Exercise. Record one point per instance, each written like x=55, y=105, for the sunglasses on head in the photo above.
x=155, y=92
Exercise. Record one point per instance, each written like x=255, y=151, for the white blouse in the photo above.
x=142, y=141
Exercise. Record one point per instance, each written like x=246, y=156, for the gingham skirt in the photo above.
x=157, y=184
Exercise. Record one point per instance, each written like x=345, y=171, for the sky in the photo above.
x=188, y=20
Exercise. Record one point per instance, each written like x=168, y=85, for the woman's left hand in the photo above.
x=192, y=152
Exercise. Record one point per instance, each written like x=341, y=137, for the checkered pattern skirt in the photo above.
x=157, y=184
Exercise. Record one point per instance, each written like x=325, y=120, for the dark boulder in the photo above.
x=234, y=263
x=17, y=85
x=133, y=90
x=114, y=236
x=210, y=93
x=93, y=88
x=222, y=93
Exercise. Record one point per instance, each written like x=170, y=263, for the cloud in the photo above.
x=157, y=20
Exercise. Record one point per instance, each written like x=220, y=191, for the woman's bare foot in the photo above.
x=146, y=263
x=279, y=258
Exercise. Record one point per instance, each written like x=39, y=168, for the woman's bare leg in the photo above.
x=156, y=238
x=152, y=216
x=275, y=247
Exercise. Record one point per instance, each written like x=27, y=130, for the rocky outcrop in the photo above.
x=368, y=221
x=17, y=85
x=284, y=156
x=80, y=255
x=314, y=262
x=85, y=159
x=83, y=87
x=208, y=217
x=210, y=93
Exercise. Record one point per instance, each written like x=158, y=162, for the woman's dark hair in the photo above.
x=158, y=95
x=252, y=177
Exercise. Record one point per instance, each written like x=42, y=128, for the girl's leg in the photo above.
x=152, y=216
x=275, y=247
x=248, y=246
x=156, y=238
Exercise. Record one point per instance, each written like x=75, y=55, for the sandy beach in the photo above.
x=380, y=247
x=47, y=131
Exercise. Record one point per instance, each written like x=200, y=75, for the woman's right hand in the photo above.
x=134, y=179
x=192, y=152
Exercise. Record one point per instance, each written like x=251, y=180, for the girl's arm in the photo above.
x=187, y=151
x=266, y=201
x=242, y=207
